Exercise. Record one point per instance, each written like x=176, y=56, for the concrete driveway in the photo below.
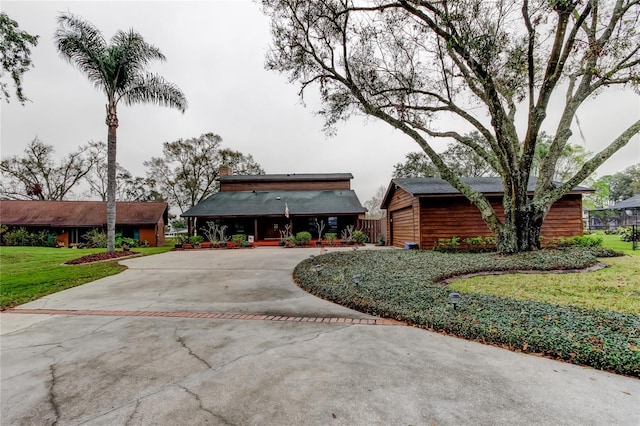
x=225, y=337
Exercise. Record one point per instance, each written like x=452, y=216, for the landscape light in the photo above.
x=454, y=299
x=356, y=279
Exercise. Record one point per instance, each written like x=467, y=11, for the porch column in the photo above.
x=255, y=229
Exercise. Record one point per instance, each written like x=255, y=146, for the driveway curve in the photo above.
x=225, y=337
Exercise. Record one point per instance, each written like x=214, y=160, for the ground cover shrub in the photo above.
x=405, y=285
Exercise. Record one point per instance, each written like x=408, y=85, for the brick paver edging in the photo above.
x=210, y=315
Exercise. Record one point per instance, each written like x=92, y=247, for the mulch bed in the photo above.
x=99, y=257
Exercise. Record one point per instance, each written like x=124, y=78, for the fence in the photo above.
x=373, y=228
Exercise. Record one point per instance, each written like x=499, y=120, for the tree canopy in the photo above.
x=611, y=189
x=411, y=63
x=37, y=176
x=15, y=54
x=463, y=161
x=188, y=171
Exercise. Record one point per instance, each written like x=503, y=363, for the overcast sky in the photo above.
x=215, y=53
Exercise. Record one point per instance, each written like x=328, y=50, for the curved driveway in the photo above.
x=239, y=344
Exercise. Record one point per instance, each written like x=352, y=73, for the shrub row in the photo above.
x=22, y=237
x=403, y=285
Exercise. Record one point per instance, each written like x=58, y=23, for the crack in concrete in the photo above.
x=213, y=371
x=52, y=395
x=180, y=339
x=203, y=408
x=133, y=413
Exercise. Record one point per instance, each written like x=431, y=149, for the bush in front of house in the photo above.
x=302, y=238
x=22, y=237
x=359, y=237
x=404, y=285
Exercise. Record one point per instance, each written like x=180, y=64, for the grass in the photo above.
x=28, y=273
x=615, y=288
x=405, y=285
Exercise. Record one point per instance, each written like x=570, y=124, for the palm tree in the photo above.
x=118, y=69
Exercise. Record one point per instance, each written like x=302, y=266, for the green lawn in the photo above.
x=615, y=288
x=27, y=273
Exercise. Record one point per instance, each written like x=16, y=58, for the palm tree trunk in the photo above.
x=112, y=123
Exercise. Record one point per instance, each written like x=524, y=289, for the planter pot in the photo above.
x=205, y=245
x=177, y=245
x=281, y=243
x=188, y=246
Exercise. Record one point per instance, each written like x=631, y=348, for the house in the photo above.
x=265, y=206
x=623, y=213
x=70, y=220
x=422, y=210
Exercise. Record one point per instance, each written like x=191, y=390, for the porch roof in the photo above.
x=273, y=203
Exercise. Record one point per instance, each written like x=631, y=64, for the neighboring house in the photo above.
x=422, y=210
x=70, y=220
x=263, y=206
x=624, y=213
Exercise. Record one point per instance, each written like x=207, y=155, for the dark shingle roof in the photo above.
x=629, y=203
x=272, y=203
x=77, y=213
x=288, y=177
x=437, y=186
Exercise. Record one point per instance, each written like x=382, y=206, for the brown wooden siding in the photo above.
x=286, y=186
x=449, y=217
x=399, y=200
x=402, y=226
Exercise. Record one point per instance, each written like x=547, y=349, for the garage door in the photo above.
x=402, y=226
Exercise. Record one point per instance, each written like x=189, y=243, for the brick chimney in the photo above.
x=224, y=170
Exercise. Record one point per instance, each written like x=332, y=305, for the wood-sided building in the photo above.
x=263, y=205
x=70, y=220
x=423, y=210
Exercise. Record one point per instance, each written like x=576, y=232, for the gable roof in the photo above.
x=272, y=203
x=65, y=214
x=437, y=187
x=287, y=177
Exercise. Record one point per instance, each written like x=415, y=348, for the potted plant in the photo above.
x=181, y=240
x=359, y=237
x=380, y=240
x=196, y=240
x=238, y=239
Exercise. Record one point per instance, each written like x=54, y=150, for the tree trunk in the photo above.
x=521, y=228
x=112, y=123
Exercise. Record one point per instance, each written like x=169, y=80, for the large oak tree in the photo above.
x=411, y=63
x=119, y=69
x=188, y=171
